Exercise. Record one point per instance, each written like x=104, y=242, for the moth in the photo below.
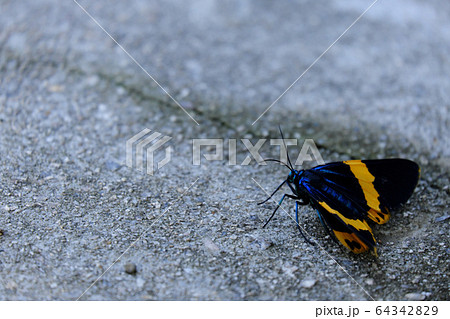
x=347, y=194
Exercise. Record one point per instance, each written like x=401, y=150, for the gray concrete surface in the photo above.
x=70, y=98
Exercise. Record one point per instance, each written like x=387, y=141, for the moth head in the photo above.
x=291, y=177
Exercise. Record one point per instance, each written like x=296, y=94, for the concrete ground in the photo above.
x=70, y=98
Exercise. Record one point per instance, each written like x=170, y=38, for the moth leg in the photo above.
x=276, y=190
x=279, y=204
x=305, y=201
x=298, y=225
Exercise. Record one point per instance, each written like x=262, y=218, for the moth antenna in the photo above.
x=285, y=147
x=278, y=161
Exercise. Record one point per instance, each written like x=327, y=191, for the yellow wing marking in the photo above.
x=351, y=241
x=359, y=224
x=378, y=217
x=365, y=180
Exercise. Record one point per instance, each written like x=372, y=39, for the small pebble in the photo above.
x=130, y=268
x=442, y=218
x=415, y=296
x=370, y=281
x=210, y=246
x=156, y=205
x=308, y=283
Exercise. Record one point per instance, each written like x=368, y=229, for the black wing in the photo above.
x=348, y=192
x=377, y=186
x=344, y=218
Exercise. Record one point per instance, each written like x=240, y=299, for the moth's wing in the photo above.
x=345, y=220
x=376, y=186
x=395, y=179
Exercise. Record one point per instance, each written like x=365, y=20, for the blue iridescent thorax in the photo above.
x=295, y=181
x=304, y=178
